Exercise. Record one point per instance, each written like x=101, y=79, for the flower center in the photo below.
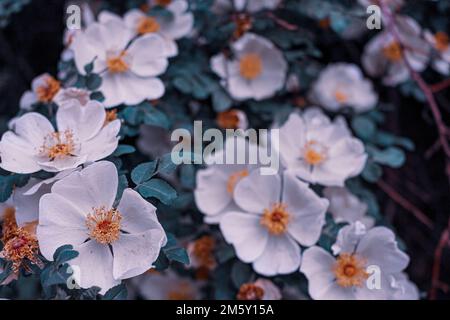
x=228, y=119
x=250, y=291
x=442, y=41
x=393, y=51
x=104, y=225
x=58, y=145
x=48, y=91
x=350, y=270
x=234, y=179
x=147, y=25
x=117, y=64
x=315, y=153
x=275, y=219
x=21, y=247
x=250, y=66
x=340, y=96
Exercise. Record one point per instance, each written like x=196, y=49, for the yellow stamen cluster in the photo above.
x=58, y=145
x=20, y=248
x=350, y=270
x=9, y=225
x=48, y=91
x=314, y=153
x=275, y=219
x=340, y=96
x=104, y=225
x=442, y=41
x=393, y=51
x=234, y=179
x=117, y=64
x=250, y=291
x=148, y=25
x=250, y=66
x=228, y=119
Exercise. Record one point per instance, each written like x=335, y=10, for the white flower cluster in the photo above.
x=271, y=219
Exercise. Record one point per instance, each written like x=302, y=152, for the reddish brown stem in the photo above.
x=400, y=200
x=282, y=23
x=435, y=282
x=440, y=86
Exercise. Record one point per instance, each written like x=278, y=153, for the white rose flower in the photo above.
x=43, y=89
x=129, y=70
x=82, y=136
x=216, y=183
x=345, y=276
x=257, y=70
x=251, y=6
x=320, y=151
x=392, y=4
x=343, y=84
x=276, y=214
x=346, y=207
x=179, y=26
x=384, y=56
x=261, y=289
x=441, y=45
x=406, y=289
x=65, y=96
x=113, y=243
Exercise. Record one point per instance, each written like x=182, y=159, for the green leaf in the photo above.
x=158, y=189
x=98, y=96
x=173, y=252
x=240, y=273
x=221, y=101
x=93, y=81
x=392, y=157
x=123, y=149
x=166, y=165
x=364, y=127
x=118, y=292
x=143, y=172
x=372, y=172
x=155, y=117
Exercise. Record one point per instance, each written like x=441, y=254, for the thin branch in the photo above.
x=400, y=200
x=440, y=85
x=435, y=282
x=282, y=23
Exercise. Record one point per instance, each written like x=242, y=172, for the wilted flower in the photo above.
x=113, y=243
x=441, y=58
x=201, y=255
x=275, y=215
x=261, y=289
x=343, y=84
x=346, y=275
x=320, y=151
x=81, y=137
x=128, y=70
x=43, y=89
x=384, y=56
x=257, y=69
x=346, y=207
x=232, y=119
